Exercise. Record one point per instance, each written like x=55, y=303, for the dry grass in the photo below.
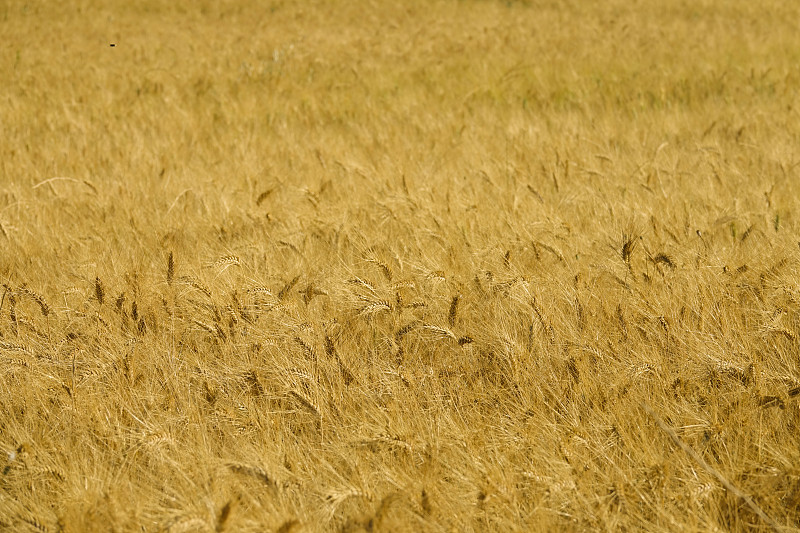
x=399, y=266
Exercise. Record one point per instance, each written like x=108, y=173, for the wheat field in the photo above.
x=399, y=266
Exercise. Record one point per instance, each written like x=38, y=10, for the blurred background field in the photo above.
x=399, y=266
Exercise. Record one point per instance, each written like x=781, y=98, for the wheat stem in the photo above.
x=711, y=470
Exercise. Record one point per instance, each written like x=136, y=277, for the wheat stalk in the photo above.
x=195, y=283
x=373, y=308
x=170, y=269
x=307, y=403
x=224, y=515
x=733, y=489
x=384, y=268
x=451, y=315
x=441, y=332
x=38, y=298
x=223, y=263
x=288, y=287
x=99, y=290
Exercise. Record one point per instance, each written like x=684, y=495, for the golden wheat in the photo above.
x=417, y=266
